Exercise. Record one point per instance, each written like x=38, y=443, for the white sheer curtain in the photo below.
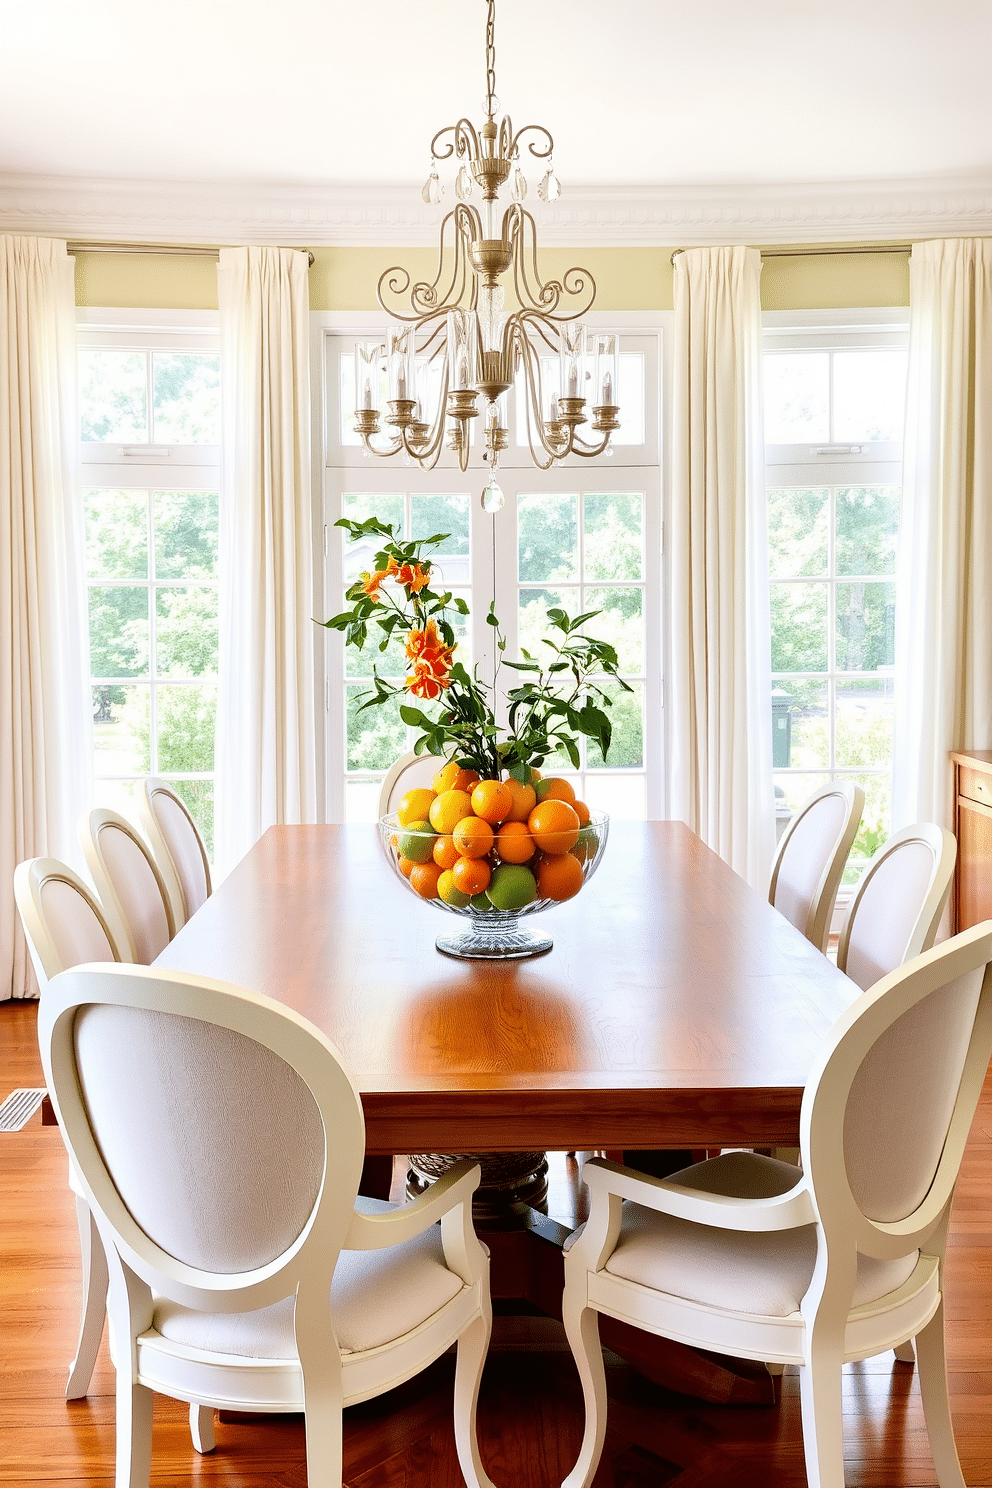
x=721, y=781
x=944, y=615
x=266, y=750
x=45, y=717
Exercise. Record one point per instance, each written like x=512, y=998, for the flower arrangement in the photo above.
x=555, y=699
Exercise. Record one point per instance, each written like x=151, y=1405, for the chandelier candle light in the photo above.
x=459, y=322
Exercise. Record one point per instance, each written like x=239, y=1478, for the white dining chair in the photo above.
x=897, y=906
x=220, y=1142
x=177, y=847
x=811, y=856
x=63, y=926
x=748, y=1256
x=410, y=771
x=135, y=900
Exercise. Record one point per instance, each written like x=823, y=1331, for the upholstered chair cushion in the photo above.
x=887, y=913
x=173, y=1103
x=810, y=847
x=138, y=891
x=184, y=848
x=376, y=1296
x=75, y=930
x=763, y=1273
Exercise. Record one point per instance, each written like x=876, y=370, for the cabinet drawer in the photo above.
x=975, y=785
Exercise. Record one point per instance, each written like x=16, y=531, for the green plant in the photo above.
x=564, y=695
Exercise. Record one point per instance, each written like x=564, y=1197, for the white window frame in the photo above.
x=337, y=467
x=150, y=467
x=876, y=463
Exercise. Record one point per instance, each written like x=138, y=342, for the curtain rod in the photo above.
x=812, y=250
x=177, y=250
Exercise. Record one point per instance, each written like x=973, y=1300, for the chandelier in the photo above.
x=452, y=344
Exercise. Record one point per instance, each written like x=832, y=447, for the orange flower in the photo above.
x=426, y=681
x=414, y=578
x=371, y=582
x=431, y=662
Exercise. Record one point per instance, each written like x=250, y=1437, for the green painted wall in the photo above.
x=626, y=278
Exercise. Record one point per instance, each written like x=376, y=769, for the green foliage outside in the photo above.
x=865, y=532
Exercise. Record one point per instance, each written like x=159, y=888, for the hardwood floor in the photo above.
x=530, y=1413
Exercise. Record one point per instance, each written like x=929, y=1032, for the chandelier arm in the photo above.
x=532, y=146
x=540, y=323
x=505, y=137
x=545, y=298
x=465, y=141
x=424, y=300
x=589, y=452
x=529, y=358
x=395, y=446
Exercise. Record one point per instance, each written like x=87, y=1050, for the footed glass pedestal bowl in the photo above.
x=537, y=873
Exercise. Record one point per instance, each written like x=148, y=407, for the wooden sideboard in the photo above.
x=973, y=829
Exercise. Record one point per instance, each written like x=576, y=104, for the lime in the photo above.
x=512, y=887
x=416, y=843
x=481, y=902
x=449, y=891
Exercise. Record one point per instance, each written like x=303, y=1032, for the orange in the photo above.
x=415, y=806
x=492, y=800
x=445, y=852
x=424, y=879
x=554, y=826
x=582, y=812
x=514, y=842
x=449, y=891
x=524, y=800
x=555, y=789
x=453, y=777
x=405, y=866
x=448, y=809
x=473, y=837
x=471, y=875
x=559, y=877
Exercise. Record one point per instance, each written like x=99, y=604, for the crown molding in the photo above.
x=621, y=216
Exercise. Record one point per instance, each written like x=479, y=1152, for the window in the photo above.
x=149, y=425
x=585, y=536
x=833, y=427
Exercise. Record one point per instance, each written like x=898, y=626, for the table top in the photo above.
x=677, y=1008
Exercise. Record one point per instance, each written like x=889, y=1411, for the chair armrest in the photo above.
x=785, y=1211
x=375, y=1231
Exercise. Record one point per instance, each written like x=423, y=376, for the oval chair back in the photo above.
x=63, y=923
x=131, y=888
x=408, y=773
x=898, y=903
x=811, y=857
x=177, y=846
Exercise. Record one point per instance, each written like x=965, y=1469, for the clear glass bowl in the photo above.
x=488, y=933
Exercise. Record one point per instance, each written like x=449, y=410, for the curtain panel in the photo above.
x=45, y=715
x=266, y=749
x=720, y=719
x=944, y=614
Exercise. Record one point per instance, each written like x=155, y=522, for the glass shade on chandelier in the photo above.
x=459, y=326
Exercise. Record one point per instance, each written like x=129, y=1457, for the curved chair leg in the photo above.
x=582, y=1331
x=905, y=1352
x=473, y=1346
x=134, y=1434
x=201, y=1427
x=932, y=1370
x=94, y=1303
x=823, y=1420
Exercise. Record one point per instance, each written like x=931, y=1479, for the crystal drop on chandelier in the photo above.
x=550, y=188
x=463, y=184
x=433, y=190
x=492, y=496
x=518, y=186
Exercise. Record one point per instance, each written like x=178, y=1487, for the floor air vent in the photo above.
x=17, y=1110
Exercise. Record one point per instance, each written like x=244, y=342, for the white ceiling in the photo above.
x=662, y=96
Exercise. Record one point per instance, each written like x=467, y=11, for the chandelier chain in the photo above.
x=490, y=57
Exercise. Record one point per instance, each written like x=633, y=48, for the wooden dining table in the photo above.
x=676, y=1009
